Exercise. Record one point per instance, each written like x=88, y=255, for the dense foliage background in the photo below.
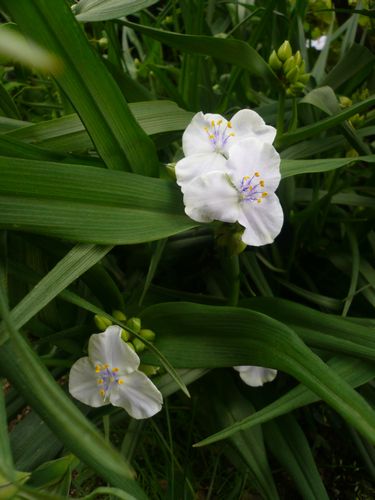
x=92, y=221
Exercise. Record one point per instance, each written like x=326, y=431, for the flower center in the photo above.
x=107, y=378
x=218, y=134
x=251, y=188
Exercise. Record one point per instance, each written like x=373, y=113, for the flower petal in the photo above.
x=83, y=385
x=195, y=138
x=262, y=221
x=107, y=347
x=247, y=123
x=211, y=197
x=250, y=156
x=137, y=395
x=256, y=376
x=194, y=165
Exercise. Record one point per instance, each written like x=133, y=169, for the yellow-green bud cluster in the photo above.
x=290, y=68
x=133, y=324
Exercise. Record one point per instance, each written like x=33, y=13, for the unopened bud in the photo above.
x=125, y=335
x=134, y=324
x=103, y=42
x=102, y=322
x=292, y=75
x=304, y=78
x=289, y=64
x=119, y=315
x=149, y=370
x=147, y=335
x=345, y=101
x=297, y=58
x=139, y=346
x=285, y=51
x=274, y=61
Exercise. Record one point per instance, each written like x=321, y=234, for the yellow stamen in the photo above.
x=229, y=125
x=115, y=369
x=213, y=123
x=102, y=392
x=247, y=177
x=106, y=366
x=120, y=381
x=257, y=174
x=232, y=134
x=219, y=122
x=97, y=368
x=112, y=379
x=206, y=129
x=259, y=200
x=211, y=136
x=100, y=381
x=261, y=183
x=264, y=194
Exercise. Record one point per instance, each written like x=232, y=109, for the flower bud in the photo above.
x=345, y=102
x=147, y=335
x=297, y=58
x=302, y=67
x=149, y=370
x=103, y=42
x=292, y=75
x=125, y=335
x=304, y=78
x=289, y=64
x=139, y=346
x=171, y=170
x=130, y=344
x=285, y=51
x=134, y=324
x=274, y=61
x=119, y=315
x=102, y=322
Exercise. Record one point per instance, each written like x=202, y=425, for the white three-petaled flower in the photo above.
x=256, y=376
x=110, y=375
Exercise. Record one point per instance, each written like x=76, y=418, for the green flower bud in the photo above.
x=289, y=64
x=119, y=315
x=125, y=335
x=298, y=58
x=139, y=346
x=304, y=78
x=102, y=322
x=147, y=335
x=129, y=344
x=345, y=101
x=274, y=61
x=285, y=51
x=134, y=324
x=302, y=67
x=149, y=370
x=171, y=170
x=103, y=42
x=292, y=75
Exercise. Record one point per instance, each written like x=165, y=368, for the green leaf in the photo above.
x=93, y=92
x=113, y=207
x=296, y=167
x=234, y=52
x=196, y=336
x=102, y=10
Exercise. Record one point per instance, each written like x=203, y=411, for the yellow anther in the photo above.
x=212, y=136
x=111, y=379
x=264, y=194
x=115, y=369
x=219, y=122
x=261, y=183
x=97, y=368
x=206, y=129
x=257, y=174
x=259, y=200
x=106, y=366
x=100, y=381
x=120, y=381
x=229, y=125
x=102, y=392
x=246, y=178
x=212, y=123
x=232, y=134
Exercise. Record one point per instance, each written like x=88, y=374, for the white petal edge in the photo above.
x=256, y=376
x=250, y=156
x=138, y=396
x=192, y=166
x=262, y=221
x=108, y=347
x=211, y=197
x=195, y=139
x=83, y=385
x=247, y=123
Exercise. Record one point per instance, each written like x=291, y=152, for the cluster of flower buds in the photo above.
x=290, y=68
x=133, y=324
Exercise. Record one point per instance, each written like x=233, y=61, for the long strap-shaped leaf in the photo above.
x=192, y=336
x=88, y=204
x=117, y=136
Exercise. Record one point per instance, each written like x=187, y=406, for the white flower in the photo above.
x=317, y=44
x=238, y=189
x=256, y=376
x=110, y=375
x=209, y=138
